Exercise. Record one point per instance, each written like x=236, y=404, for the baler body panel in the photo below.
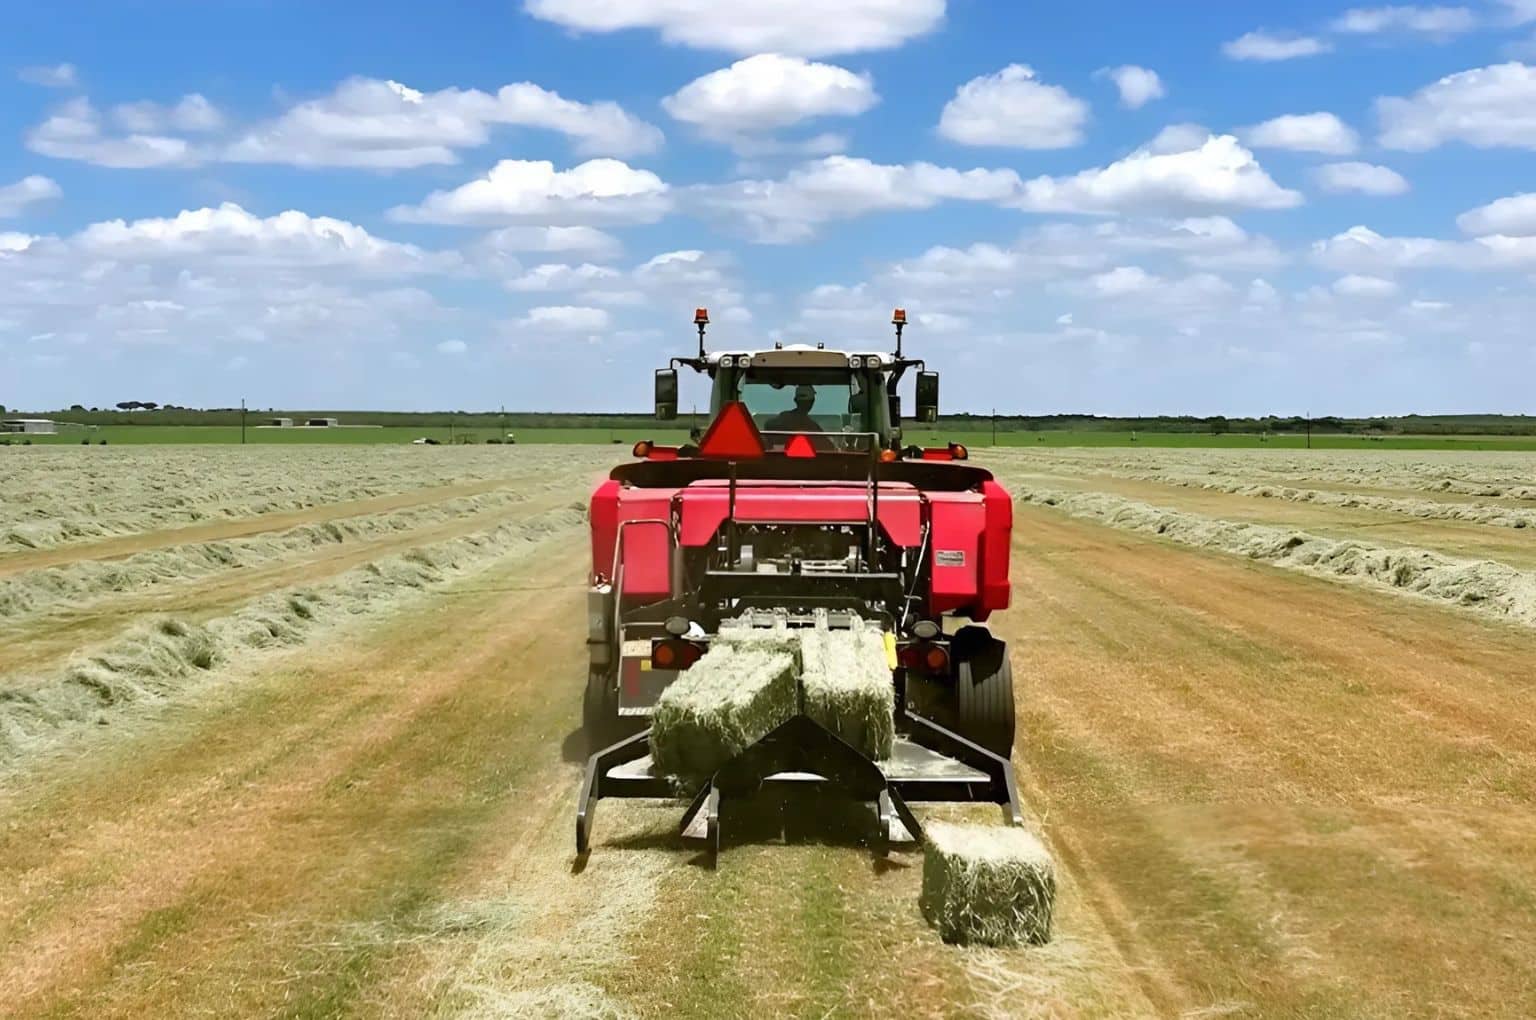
x=706, y=505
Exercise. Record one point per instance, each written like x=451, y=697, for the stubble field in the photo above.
x=293, y=731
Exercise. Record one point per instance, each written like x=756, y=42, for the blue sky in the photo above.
x=1105, y=207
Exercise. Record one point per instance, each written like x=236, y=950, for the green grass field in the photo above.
x=222, y=434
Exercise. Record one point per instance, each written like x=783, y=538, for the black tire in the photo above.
x=984, y=690
x=600, y=711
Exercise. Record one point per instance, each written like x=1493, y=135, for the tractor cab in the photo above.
x=843, y=401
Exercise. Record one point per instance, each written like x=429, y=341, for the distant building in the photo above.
x=31, y=426
x=323, y=423
x=279, y=423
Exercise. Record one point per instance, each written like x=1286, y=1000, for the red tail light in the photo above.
x=925, y=657
x=672, y=653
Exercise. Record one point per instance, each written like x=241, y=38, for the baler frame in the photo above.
x=929, y=763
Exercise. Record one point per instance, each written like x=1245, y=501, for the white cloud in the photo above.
x=1437, y=22
x=1206, y=242
x=558, y=276
x=1012, y=108
x=1177, y=138
x=1266, y=46
x=1355, y=286
x=452, y=347
x=231, y=234
x=552, y=240
x=194, y=113
x=1515, y=216
x=1138, y=86
x=1219, y=174
x=841, y=187
x=803, y=27
x=1485, y=107
x=1361, y=178
x=768, y=92
x=1362, y=250
x=11, y=241
x=566, y=318
x=16, y=198
x=211, y=276
x=597, y=191
x=1518, y=12
x=367, y=122
x=75, y=131
x=55, y=76
x=1304, y=132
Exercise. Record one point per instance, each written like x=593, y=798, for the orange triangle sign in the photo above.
x=799, y=446
x=733, y=435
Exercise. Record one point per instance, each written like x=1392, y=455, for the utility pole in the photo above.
x=450, y=430
x=994, y=426
x=1309, y=430
x=503, y=436
x=242, y=421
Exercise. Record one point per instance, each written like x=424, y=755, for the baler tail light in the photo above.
x=672, y=653
x=925, y=657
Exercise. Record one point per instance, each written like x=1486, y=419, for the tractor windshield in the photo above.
x=807, y=400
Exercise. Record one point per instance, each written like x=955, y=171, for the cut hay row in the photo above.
x=171, y=658
x=1489, y=587
x=60, y=495
x=1423, y=509
x=1479, y=474
x=75, y=584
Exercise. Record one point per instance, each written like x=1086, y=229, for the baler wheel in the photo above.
x=984, y=690
x=600, y=711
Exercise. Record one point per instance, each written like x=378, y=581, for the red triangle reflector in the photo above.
x=799, y=446
x=733, y=435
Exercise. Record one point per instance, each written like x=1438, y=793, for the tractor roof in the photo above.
x=799, y=356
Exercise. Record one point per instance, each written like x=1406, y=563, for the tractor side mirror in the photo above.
x=895, y=403
x=666, y=394
x=928, y=397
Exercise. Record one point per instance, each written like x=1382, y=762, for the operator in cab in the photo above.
x=799, y=419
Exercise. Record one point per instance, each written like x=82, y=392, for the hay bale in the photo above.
x=846, y=676
x=724, y=703
x=987, y=885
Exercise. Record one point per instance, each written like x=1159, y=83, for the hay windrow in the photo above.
x=1482, y=585
x=171, y=658
x=1507, y=475
x=987, y=885
x=35, y=591
x=60, y=495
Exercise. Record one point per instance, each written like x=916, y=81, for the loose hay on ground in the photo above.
x=987, y=885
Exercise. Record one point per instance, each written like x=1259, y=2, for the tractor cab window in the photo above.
x=806, y=400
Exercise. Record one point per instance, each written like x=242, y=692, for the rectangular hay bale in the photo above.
x=846, y=675
x=987, y=885
x=727, y=701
